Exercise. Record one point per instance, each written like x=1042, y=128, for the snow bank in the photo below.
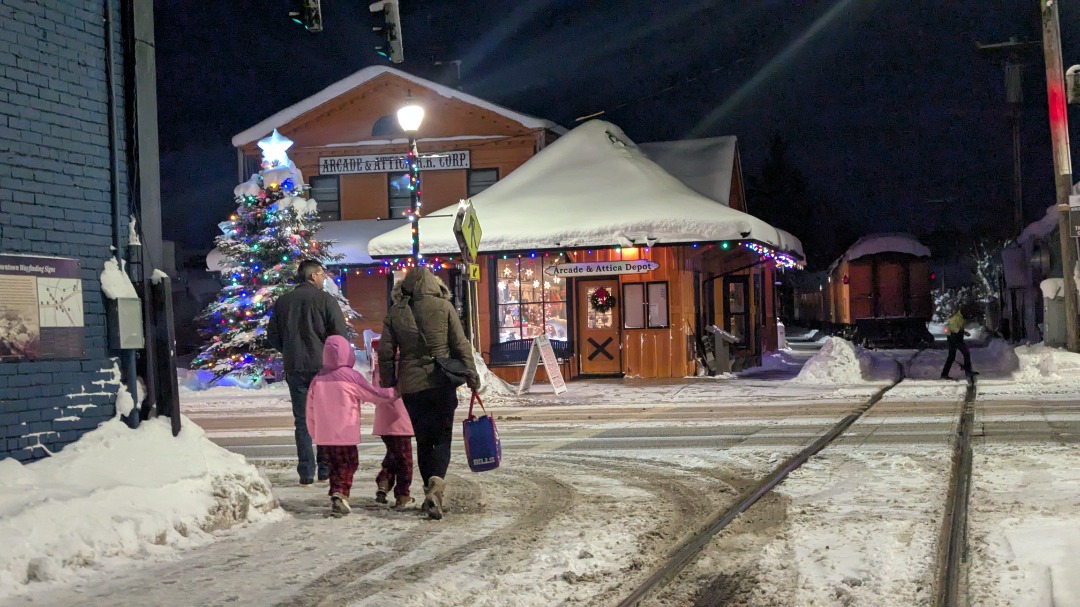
x=119, y=493
x=491, y=384
x=838, y=362
x=1042, y=364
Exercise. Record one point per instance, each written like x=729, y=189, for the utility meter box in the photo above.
x=125, y=323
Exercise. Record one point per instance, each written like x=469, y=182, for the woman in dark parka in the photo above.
x=407, y=361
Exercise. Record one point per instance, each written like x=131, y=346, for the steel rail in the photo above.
x=692, y=546
x=952, y=554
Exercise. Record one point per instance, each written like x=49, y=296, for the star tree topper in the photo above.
x=274, y=147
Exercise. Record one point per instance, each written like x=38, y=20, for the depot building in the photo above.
x=623, y=255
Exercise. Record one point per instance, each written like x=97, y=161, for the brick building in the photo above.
x=57, y=208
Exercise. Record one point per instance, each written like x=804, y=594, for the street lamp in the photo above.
x=409, y=117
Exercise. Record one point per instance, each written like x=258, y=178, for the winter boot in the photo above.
x=339, y=505
x=383, y=489
x=403, y=502
x=433, y=498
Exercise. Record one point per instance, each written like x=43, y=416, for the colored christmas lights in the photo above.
x=263, y=243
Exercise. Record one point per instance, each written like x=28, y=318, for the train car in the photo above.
x=876, y=294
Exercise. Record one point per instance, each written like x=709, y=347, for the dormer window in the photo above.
x=387, y=127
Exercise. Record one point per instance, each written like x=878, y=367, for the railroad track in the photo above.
x=951, y=557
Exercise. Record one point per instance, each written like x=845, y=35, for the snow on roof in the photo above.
x=704, y=165
x=591, y=187
x=351, y=239
x=370, y=73
x=894, y=242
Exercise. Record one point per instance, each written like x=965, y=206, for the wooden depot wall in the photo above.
x=666, y=352
x=344, y=125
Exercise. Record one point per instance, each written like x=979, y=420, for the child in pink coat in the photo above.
x=392, y=423
x=333, y=415
x=395, y=428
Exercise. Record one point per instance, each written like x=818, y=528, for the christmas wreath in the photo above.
x=602, y=300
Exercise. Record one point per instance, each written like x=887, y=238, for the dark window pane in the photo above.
x=481, y=179
x=325, y=191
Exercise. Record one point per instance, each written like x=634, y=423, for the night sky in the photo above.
x=895, y=119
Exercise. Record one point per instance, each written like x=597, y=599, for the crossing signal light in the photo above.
x=307, y=13
x=390, y=30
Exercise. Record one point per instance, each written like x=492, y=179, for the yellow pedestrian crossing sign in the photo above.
x=474, y=272
x=468, y=232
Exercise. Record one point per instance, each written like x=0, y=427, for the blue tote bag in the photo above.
x=482, y=446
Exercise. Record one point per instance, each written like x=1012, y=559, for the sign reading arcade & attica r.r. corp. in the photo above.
x=601, y=268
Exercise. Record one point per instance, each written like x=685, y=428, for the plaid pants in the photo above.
x=397, y=465
x=343, y=461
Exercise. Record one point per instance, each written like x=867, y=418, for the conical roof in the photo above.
x=593, y=187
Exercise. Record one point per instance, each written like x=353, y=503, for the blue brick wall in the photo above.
x=55, y=200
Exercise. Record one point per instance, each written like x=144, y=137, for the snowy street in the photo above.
x=600, y=484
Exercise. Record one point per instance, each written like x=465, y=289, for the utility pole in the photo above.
x=1059, y=134
x=1014, y=55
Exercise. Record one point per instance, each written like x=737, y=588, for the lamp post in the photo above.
x=409, y=117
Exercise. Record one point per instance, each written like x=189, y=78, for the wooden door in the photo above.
x=860, y=281
x=892, y=290
x=598, y=335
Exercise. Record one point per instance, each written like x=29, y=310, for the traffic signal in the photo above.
x=307, y=13
x=390, y=30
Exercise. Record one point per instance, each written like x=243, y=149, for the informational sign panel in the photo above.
x=541, y=350
x=474, y=272
x=392, y=163
x=41, y=308
x=601, y=268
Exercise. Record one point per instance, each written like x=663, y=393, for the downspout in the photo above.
x=120, y=217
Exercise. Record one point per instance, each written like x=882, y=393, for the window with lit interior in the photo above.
x=400, y=196
x=530, y=302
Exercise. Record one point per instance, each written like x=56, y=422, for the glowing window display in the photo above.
x=530, y=302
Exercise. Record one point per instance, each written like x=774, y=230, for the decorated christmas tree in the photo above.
x=263, y=242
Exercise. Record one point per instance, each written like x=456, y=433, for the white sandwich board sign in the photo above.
x=541, y=350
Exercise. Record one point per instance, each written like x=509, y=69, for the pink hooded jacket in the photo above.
x=391, y=418
x=333, y=402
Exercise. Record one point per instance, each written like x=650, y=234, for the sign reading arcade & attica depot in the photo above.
x=601, y=268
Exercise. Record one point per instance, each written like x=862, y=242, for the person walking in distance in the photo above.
x=954, y=334
x=301, y=321
x=333, y=416
x=419, y=327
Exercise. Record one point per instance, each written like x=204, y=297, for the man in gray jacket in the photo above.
x=298, y=327
x=420, y=326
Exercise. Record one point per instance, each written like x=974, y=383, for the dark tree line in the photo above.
x=781, y=197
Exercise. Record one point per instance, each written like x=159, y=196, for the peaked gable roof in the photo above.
x=592, y=187
x=707, y=165
x=365, y=75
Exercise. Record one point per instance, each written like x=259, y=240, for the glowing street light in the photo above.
x=409, y=117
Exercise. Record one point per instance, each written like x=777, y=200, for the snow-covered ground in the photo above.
x=859, y=519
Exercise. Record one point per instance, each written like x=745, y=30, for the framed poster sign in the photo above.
x=41, y=308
